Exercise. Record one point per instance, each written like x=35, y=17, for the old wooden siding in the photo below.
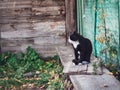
x=70, y=16
x=36, y=23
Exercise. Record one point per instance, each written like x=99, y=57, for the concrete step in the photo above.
x=86, y=77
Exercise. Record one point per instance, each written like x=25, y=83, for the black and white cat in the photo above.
x=82, y=48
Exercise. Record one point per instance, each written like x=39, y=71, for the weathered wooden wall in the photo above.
x=36, y=23
x=70, y=16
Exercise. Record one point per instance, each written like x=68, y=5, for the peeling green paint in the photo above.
x=100, y=22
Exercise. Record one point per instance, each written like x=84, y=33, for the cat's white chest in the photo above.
x=74, y=43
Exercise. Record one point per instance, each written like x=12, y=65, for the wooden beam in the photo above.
x=70, y=16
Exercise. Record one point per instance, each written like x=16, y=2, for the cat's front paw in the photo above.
x=75, y=62
x=85, y=62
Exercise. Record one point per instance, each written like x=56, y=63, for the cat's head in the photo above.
x=73, y=36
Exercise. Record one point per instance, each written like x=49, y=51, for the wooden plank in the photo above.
x=33, y=19
x=11, y=3
x=39, y=29
x=70, y=15
x=15, y=26
x=16, y=42
x=38, y=48
x=21, y=4
x=15, y=12
x=13, y=0
x=46, y=17
x=44, y=51
x=48, y=40
x=95, y=82
x=49, y=10
x=44, y=3
x=16, y=6
x=16, y=19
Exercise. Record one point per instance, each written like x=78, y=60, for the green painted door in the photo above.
x=99, y=20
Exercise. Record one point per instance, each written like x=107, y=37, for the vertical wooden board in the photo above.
x=70, y=15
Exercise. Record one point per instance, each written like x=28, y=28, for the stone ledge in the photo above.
x=86, y=77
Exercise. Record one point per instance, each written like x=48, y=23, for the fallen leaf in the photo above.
x=110, y=73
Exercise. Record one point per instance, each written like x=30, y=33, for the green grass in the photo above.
x=25, y=70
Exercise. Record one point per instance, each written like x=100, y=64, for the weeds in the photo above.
x=23, y=70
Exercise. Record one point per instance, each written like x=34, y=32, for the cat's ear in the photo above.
x=75, y=32
x=72, y=33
